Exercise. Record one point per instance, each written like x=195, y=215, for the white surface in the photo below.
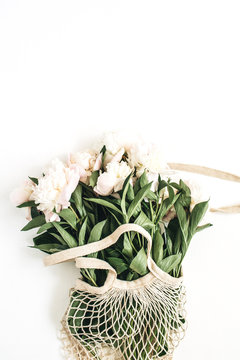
x=72, y=69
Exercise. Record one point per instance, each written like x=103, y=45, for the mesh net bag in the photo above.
x=122, y=320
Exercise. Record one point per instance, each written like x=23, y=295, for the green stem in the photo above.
x=157, y=217
x=129, y=236
x=74, y=212
x=151, y=209
x=90, y=278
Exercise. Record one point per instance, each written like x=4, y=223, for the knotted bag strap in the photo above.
x=78, y=254
x=203, y=170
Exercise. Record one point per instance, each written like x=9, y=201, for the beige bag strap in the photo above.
x=203, y=170
x=79, y=252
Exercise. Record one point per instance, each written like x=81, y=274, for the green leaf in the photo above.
x=110, y=252
x=157, y=249
x=151, y=195
x=170, y=263
x=130, y=276
x=50, y=248
x=170, y=193
x=161, y=184
x=115, y=217
x=59, y=238
x=68, y=238
x=92, y=218
x=77, y=198
x=69, y=216
x=127, y=247
x=182, y=218
x=138, y=199
x=144, y=221
x=196, y=216
x=143, y=179
x=175, y=185
x=104, y=203
x=90, y=275
x=93, y=178
x=139, y=263
x=27, y=204
x=48, y=226
x=174, y=232
x=130, y=193
x=103, y=150
x=34, y=212
x=202, y=227
x=178, y=242
x=137, y=186
x=96, y=232
x=166, y=206
x=169, y=245
x=185, y=197
x=82, y=233
x=45, y=227
x=124, y=193
x=118, y=264
x=34, y=180
x=45, y=238
x=36, y=222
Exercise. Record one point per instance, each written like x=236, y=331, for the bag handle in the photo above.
x=78, y=253
x=203, y=170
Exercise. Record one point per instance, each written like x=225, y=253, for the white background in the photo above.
x=70, y=70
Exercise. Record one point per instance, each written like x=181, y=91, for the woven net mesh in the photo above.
x=133, y=324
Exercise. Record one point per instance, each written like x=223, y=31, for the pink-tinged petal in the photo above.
x=118, y=156
x=28, y=214
x=82, y=173
x=58, y=208
x=51, y=216
x=119, y=185
x=109, y=158
x=98, y=163
x=105, y=184
x=116, y=196
x=83, y=176
x=19, y=196
x=68, y=189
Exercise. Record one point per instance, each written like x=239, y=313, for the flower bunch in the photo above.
x=89, y=196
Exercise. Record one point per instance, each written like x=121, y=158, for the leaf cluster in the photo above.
x=91, y=217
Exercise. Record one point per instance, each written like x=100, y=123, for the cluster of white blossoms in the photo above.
x=55, y=188
x=125, y=155
x=111, y=180
x=122, y=156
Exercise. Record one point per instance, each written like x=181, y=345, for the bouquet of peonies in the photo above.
x=120, y=213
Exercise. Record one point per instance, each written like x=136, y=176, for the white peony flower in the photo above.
x=54, y=189
x=111, y=158
x=112, y=180
x=116, y=143
x=198, y=194
x=146, y=156
x=87, y=162
x=112, y=142
x=83, y=159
